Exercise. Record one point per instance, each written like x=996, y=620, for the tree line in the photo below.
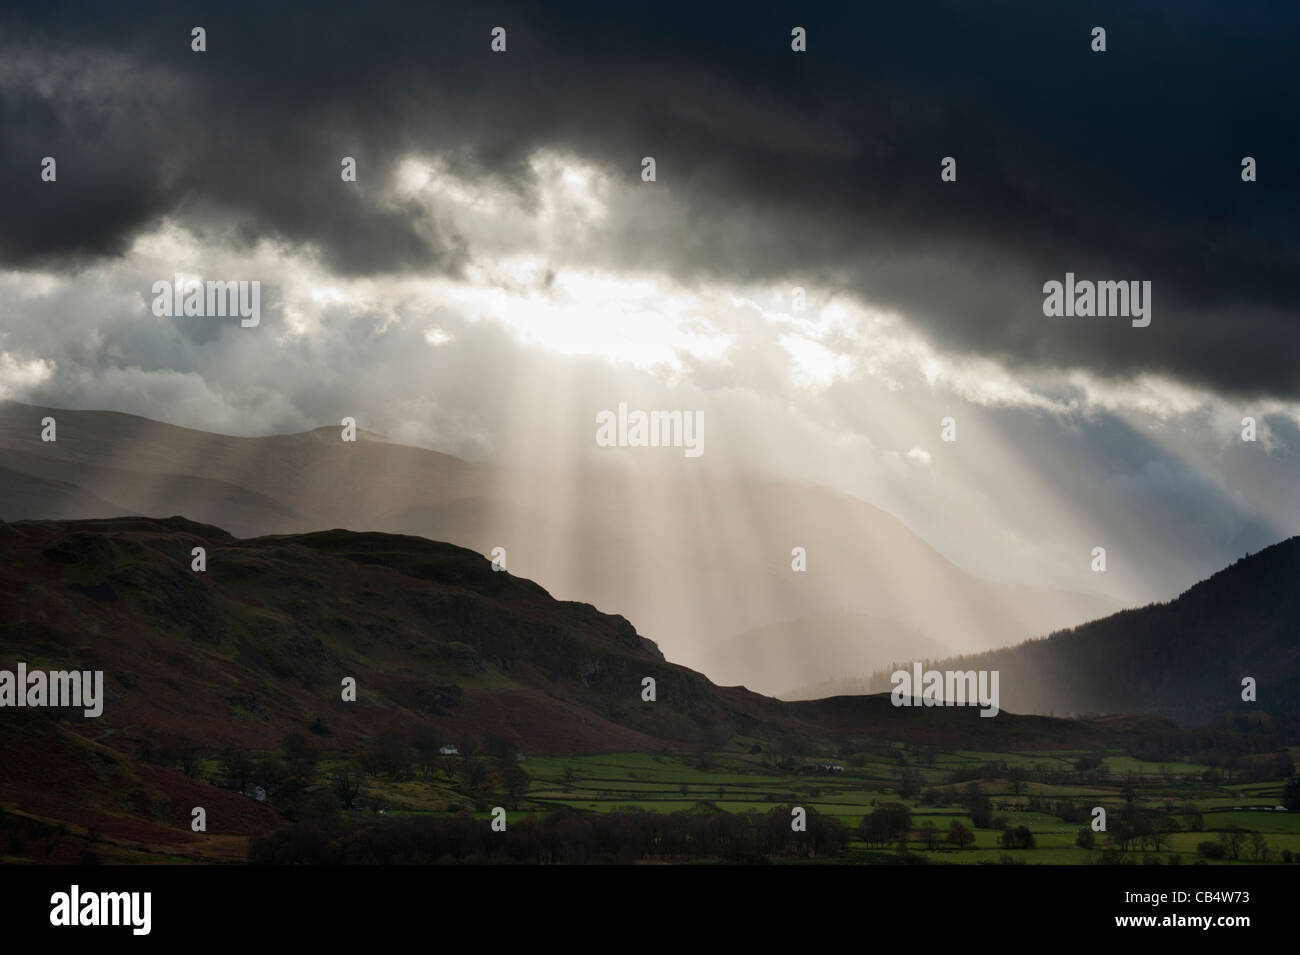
x=563, y=837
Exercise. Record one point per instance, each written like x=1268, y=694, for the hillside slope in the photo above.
x=1184, y=659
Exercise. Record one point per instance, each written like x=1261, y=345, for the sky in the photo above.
x=500, y=272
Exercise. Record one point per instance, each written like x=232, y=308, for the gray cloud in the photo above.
x=822, y=165
x=775, y=170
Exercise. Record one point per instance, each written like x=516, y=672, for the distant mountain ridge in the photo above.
x=812, y=650
x=693, y=561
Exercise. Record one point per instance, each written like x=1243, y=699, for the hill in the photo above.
x=1184, y=659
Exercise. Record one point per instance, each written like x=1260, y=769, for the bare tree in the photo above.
x=347, y=786
x=1233, y=839
x=237, y=765
x=515, y=780
x=1258, y=847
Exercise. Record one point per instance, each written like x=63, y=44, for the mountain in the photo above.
x=1184, y=659
x=779, y=659
x=692, y=558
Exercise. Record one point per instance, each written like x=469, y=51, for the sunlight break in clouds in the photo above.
x=841, y=393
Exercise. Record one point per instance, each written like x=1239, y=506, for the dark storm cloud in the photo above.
x=821, y=166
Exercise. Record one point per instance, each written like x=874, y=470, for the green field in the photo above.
x=1191, y=804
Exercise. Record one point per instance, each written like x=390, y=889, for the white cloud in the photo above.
x=814, y=365
x=18, y=376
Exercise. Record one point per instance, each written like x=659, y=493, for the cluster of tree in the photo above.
x=281, y=781
x=293, y=781
x=947, y=796
x=926, y=754
x=959, y=837
x=1190, y=815
x=1258, y=768
x=181, y=753
x=890, y=824
x=1291, y=794
x=972, y=798
x=480, y=769
x=979, y=806
x=1018, y=838
x=1137, y=828
x=910, y=782
x=1069, y=811
x=562, y=838
x=992, y=769
x=887, y=824
x=1235, y=843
